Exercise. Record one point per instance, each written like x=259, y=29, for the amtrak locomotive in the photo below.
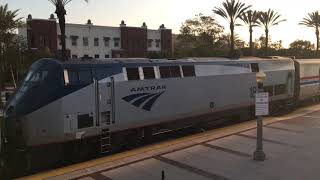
x=95, y=106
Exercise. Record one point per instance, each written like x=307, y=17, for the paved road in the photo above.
x=291, y=144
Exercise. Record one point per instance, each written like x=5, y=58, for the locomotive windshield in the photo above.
x=43, y=77
x=36, y=76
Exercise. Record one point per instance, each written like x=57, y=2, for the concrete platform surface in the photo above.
x=291, y=144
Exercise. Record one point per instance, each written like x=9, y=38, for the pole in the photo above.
x=162, y=175
x=259, y=155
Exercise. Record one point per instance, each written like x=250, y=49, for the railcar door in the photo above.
x=105, y=98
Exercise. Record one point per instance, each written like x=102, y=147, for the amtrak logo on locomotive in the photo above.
x=148, y=88
x=146, y=100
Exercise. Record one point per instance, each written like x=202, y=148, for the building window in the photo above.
x=86, y=56
x=96, y=41
x=158, y=43
x=85, y=41
x=74, y=40
x=74, y=56
x=116, y=42
x=150, y=43
x=106, y=41
x=107, y=56
x=96, y=56
x=43, y=40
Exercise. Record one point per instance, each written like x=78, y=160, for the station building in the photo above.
x=92, y=41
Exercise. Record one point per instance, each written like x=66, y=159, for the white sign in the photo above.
x=262, y=104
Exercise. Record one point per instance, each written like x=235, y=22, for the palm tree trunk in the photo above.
x=267, y=39
x=13, y=77
x=250, y=41
x=232, y=37
x=63, y=37
x=317, y=34
x=61, y=12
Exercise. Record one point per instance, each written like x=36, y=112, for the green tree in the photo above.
x=251, y=19
x=9, y=22
x=61, y=13
x=267, y=20
x=197, y=36
x=301, y=45
x=231, y=10
x=313, y=20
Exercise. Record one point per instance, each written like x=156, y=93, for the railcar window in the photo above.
x=165, y=71
x=175, y=71
x=148, y=73
x=133, y=74
x=280, y=89
x=188, y=71
x=268, y=89
x=85, y=76
x=254, y=67
x=85, y=121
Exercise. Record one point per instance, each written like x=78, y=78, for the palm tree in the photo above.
x=313, y=20
x=251, y=19
x=232, y=10
x=267, y=20
x=9, y=22
x=61, y=13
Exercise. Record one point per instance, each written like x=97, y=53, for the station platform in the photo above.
x=291, y=143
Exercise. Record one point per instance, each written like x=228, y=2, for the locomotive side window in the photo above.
x=254, y=67
x=85, y=121
x=133, y=74
x=73, y=77
x=148, y=73
x=165, y=71
x=280, y=89
x=169, y=71
x=66, y=77
x=188, y=71
x=175, y=71
x=85, y=76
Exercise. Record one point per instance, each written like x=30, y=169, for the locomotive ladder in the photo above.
x=105, y=141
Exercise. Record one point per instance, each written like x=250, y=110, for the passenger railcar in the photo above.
x=104, y=104
x=309, y=78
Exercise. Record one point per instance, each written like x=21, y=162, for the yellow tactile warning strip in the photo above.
x=179, y=143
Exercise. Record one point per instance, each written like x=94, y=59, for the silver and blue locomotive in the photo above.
x=102, y=104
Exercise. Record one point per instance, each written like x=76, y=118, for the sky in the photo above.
x=173, y=13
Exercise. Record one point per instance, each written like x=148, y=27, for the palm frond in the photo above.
x=312, y=20
x=231, y=10
x=270, y=18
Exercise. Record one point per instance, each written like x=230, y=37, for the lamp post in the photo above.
x=259, y=155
